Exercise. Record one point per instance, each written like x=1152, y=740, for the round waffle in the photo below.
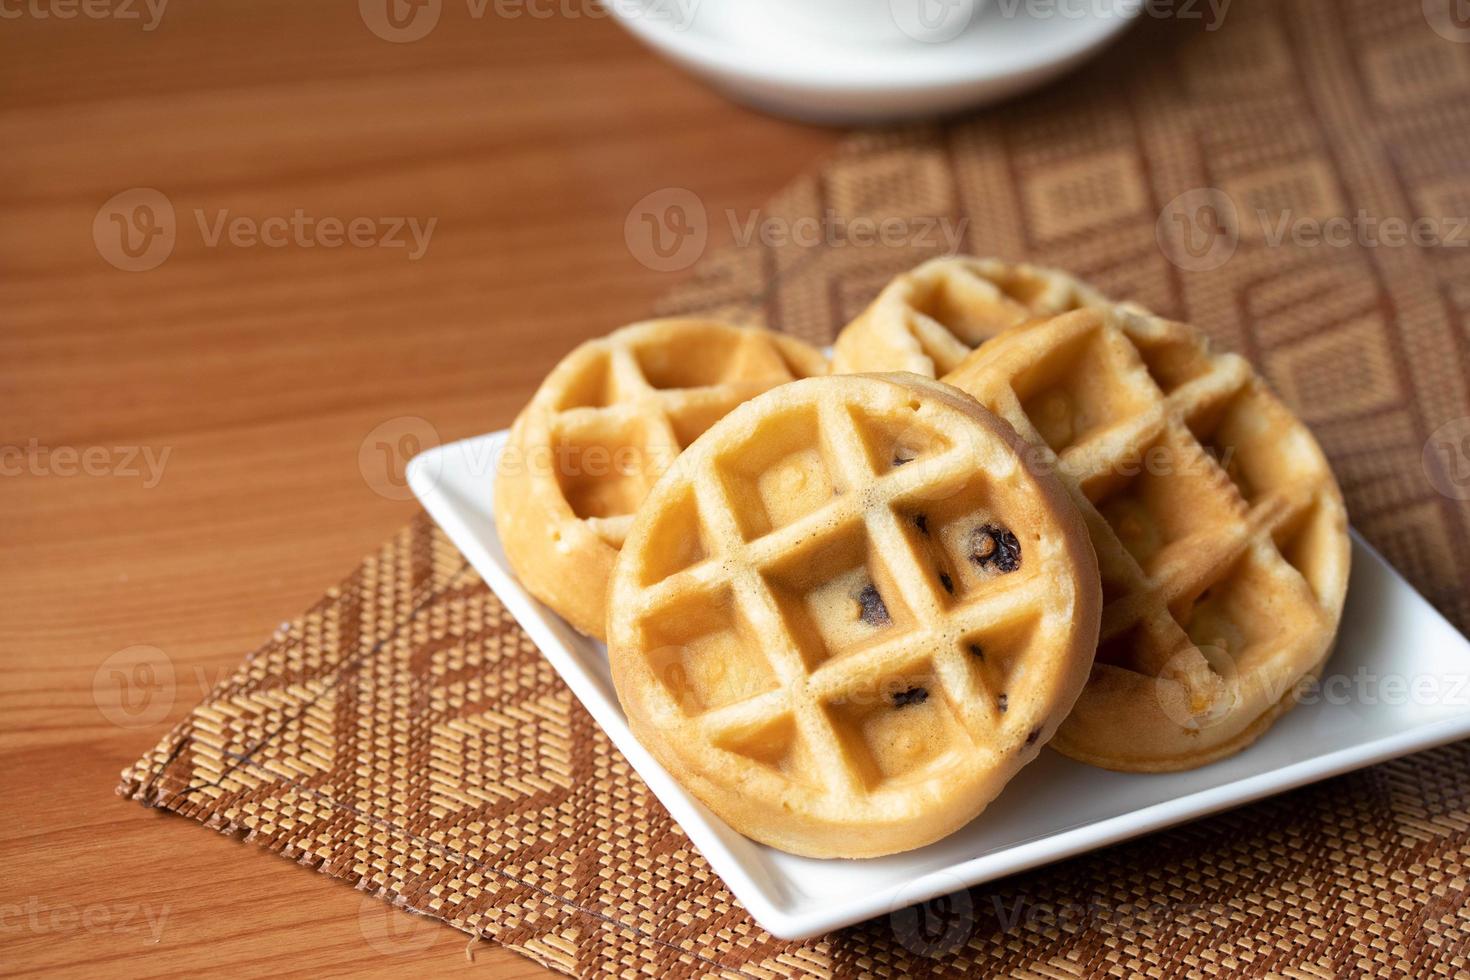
x=928, y=320
x=851, y=613
x=1220, y=531
x=601, y=428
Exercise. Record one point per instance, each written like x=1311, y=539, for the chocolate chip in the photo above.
x=976, y=651
x=947, y=582
x=1032, y=736
x=871, y=608
x=914, y=695
x=899, y=460
x=921, y=521
x=993, y=545
x=1000, y=702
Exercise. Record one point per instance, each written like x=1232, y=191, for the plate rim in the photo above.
x=542, y=625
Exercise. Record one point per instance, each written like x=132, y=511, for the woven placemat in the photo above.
x=404, y=734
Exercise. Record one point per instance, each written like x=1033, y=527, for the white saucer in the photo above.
x=1008, y=47
x=1056, y=807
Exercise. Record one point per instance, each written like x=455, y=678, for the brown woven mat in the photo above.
x=404, y=734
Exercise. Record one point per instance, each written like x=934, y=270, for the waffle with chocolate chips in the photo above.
x=851, y=614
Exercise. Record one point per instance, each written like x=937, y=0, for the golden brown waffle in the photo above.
x=929, y=319
x=851, y=613
x=606, y=422
x=1220, y=531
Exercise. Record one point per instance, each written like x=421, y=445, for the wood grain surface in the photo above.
x=183, y=447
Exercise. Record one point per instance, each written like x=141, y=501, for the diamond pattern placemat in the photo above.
x=404, y=734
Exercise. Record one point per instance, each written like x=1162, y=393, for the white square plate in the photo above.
x=1396, y=684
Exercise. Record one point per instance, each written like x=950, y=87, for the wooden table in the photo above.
x=181, y=444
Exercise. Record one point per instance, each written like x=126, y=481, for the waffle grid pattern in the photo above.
x=603, y=426
x=1176, y=516
x=930, y=319
x=744, y=567
x=613, y=411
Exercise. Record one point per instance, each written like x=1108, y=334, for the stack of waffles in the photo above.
x=846, y=603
